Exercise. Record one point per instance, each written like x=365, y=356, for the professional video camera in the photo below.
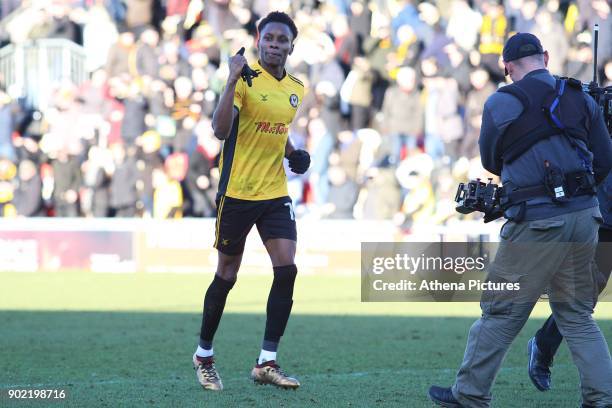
x=479, y=196
x=603, y=97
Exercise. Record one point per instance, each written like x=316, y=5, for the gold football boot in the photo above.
x=207, y=374
x=270, y=373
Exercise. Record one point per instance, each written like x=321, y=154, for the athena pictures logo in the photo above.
x=293, y=100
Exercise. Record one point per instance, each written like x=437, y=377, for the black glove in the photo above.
x=299, y=161
x=247, y=73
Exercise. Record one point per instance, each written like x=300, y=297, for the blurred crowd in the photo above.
x=392, y=115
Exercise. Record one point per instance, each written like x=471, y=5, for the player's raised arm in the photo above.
x=224, y=114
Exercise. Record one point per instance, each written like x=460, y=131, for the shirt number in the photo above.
x=291, y=213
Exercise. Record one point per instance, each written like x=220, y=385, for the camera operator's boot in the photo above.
x=443, y=397
x=539, y=366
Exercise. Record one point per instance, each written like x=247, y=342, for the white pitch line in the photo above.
x=241, y=379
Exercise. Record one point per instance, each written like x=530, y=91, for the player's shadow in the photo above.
x=144, y=359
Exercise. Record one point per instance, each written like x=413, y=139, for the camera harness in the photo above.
x=535, y=125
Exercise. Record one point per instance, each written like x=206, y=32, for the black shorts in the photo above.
x=235, y=218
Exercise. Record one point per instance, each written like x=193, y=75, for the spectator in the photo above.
x=443, y=126
x=221, y=17
x=379, y=51
x=438, y=38
x=58, y=24
x=382, y=194
x=360, y=20
x=67, y=181
x=343, y=193
x=95, y=195
x=357, y=93
x=345, y=42
x=28, y=195
x=328, y=76
x=149, y=160
x=160, y=101
x=552, y=36
x=99, y=35
x=408, y=51
x=202, y=94
x=95, y=104
x=66, y=124
x=168, y=198
x=28, y=149
x=348, y=154
x=136, y=107
x=123, y=195
x=525, y=21
x=186, y=112
x=597, y=12
x=460, y=67
x=7, y=188
x=580, y=60
x=402, y=115
x=139, y=13
x=463, y=25
x=171, y=64
x=7, y=124
x=321, y=145
x=492, y=34
x=147, y=64
x=118, y=60
x=409, y=15
x=200, y=182
x=482, y=88
x=414, y=176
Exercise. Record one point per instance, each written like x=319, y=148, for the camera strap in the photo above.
x=560, y=86
x=547, y=112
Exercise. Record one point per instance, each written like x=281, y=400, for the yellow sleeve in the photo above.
x=240, y=93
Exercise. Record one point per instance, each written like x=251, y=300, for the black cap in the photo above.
x=521, y=45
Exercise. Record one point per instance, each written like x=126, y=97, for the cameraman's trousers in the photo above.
x=548, y=338
x=552, y=255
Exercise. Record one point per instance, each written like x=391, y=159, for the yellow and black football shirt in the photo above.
x=252, y=157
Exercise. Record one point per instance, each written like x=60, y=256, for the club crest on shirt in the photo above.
x=293, y=100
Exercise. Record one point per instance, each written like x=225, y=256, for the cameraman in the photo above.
x=549, y=143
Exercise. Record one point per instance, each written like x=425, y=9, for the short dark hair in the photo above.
x=530, y=59
x=278, y=17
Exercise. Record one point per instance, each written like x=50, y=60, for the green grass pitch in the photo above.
x=127, y=341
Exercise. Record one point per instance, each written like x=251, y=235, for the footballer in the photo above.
x=253, y=118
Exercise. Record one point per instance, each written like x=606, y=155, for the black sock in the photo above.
x=279, y=306
x=548, y=338
x=214, y=303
